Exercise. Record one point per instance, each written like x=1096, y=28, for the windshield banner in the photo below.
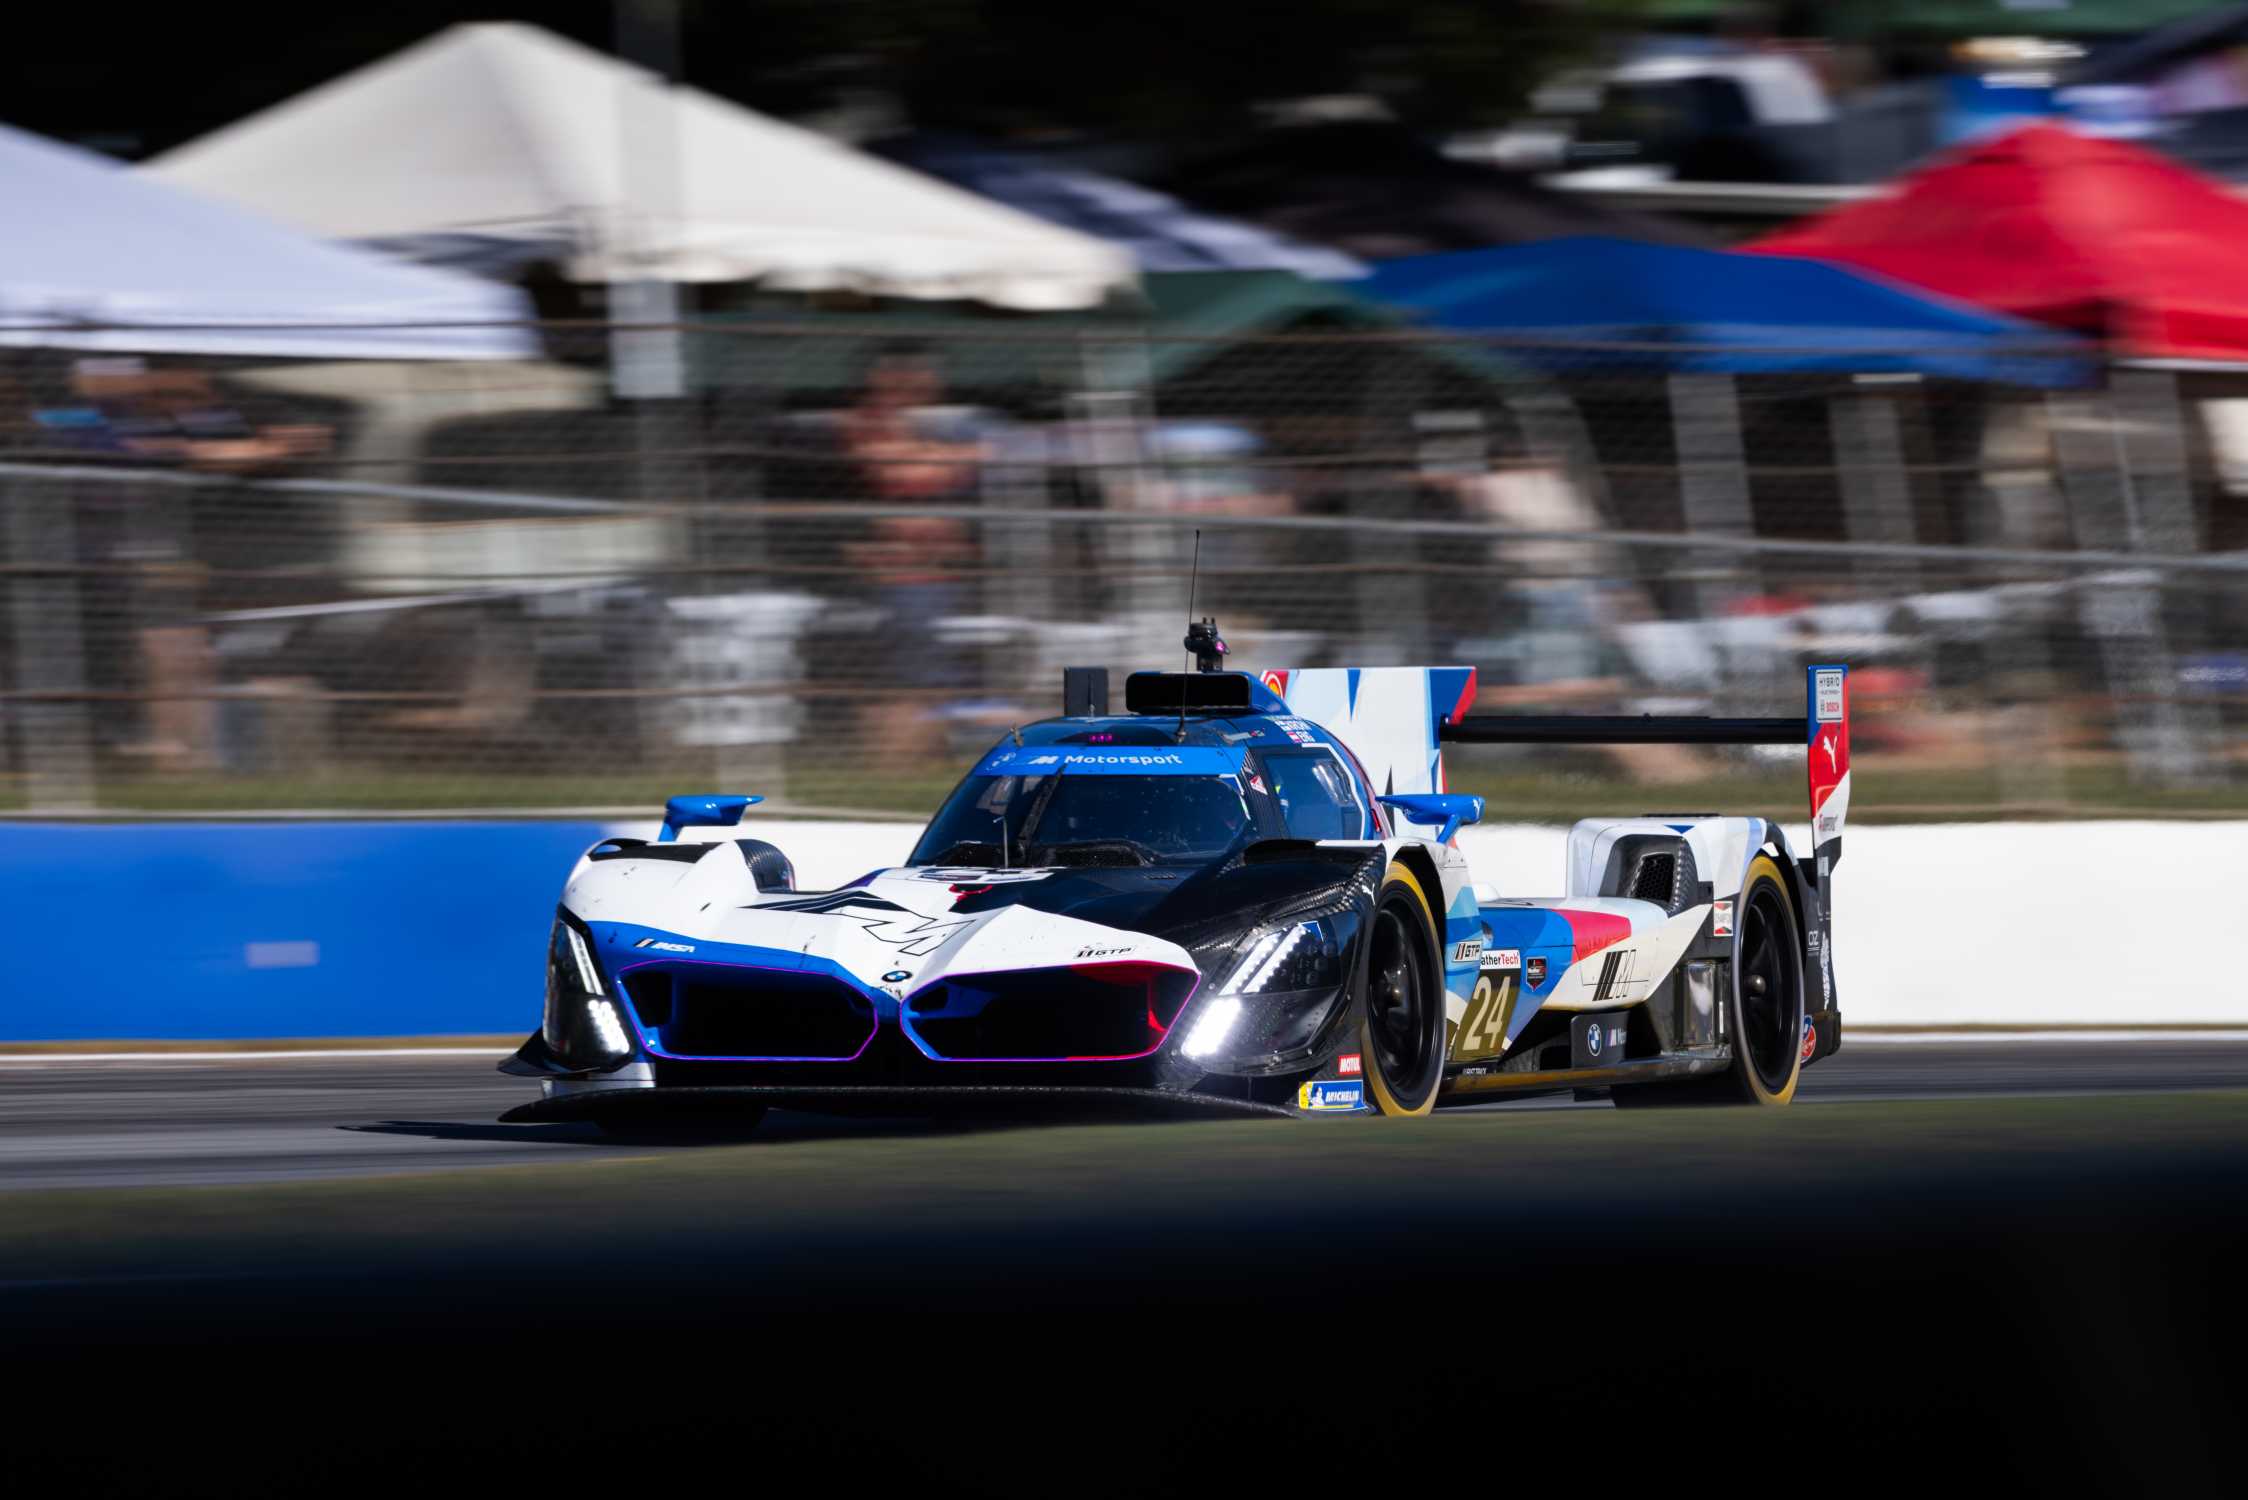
x=1110, y=760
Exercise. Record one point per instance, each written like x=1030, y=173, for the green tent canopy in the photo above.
x=1186, y=320
x=1956, y=18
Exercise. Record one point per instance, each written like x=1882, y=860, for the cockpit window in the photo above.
x=1315, y=796
x=1178, y=817
x=981, y=823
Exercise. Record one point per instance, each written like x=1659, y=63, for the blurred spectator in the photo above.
x=172, y=418
x=1217, y=470
x=902, y=453
x=169, y=416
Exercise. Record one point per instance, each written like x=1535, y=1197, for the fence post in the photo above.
x=2157, y=484
x=1118, y=405
x=1705, y=415
x=1869, y=454
x=1020, y=567
x=2109, y=508
x=1396, y=384
x=1553, y=426
x=57, y=747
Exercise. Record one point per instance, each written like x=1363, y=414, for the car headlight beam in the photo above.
x=1212, y=1027
x=607, y=1026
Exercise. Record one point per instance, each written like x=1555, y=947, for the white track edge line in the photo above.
x=328, y=1053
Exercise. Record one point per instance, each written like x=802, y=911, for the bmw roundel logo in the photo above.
x=1592, y=1039
x=897, y=976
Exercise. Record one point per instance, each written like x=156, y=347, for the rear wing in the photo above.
x=1823, y=731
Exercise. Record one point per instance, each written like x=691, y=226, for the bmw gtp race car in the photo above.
x=1244, y=892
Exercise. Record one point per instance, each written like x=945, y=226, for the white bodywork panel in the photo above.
x=898, y=922
x=1643, y=960
x=1722, y=848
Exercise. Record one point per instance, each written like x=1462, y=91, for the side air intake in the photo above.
x=1653, y=867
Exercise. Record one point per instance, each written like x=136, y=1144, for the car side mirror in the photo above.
x=702, y=810
x=1454, y=810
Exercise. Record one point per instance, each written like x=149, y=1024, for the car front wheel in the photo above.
x=1401, y=1037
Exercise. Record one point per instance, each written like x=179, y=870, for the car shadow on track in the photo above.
x=778, y=1128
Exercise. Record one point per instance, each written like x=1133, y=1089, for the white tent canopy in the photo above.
x=96, y=257
x=510, y=132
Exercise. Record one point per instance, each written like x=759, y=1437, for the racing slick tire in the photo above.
x=1401, y=1025
x=1765, y=1009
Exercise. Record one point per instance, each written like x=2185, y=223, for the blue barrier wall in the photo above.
x=241, y=930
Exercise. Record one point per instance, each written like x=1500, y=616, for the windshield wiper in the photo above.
x=974, y=852
x=1090, y=852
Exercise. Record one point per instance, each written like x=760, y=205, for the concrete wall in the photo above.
x=2015, y=924
x=422, y=928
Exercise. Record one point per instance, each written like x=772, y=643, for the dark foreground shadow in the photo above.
x=1931, y=1304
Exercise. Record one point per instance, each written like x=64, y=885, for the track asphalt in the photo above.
x=190, y=1121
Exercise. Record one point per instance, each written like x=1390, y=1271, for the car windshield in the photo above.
x=1026, y=820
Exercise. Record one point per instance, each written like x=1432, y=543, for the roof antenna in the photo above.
x=1193, y=577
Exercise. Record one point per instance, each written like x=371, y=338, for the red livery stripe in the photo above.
x=1591, y=931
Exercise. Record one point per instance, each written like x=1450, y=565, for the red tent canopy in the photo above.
x=2095, y=236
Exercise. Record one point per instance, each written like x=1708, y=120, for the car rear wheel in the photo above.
x=1764, y=1011
x=1401, y=1037
x=1767, y=989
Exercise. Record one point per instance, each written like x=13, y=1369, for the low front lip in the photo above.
x=875, y=1098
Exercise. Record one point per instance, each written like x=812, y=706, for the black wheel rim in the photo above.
x=1770, y=982
x=1401, y=1009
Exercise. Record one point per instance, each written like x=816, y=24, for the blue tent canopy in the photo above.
x=1712, y=311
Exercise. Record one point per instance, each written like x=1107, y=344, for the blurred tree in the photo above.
x=1163, y=69
x=1179, y=69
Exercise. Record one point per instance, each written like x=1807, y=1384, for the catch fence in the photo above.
x=849, y=558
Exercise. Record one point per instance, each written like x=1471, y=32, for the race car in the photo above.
x=1245, y=893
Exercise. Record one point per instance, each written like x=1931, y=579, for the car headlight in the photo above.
x=1297, y=955
x=1275, y=966
x=584, y=1027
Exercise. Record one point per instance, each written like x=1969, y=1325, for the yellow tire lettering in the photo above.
x=1377, y=1086
x=1763, y=868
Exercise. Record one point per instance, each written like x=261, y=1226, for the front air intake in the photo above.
x=732, y=1012
x=1084, y=1013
